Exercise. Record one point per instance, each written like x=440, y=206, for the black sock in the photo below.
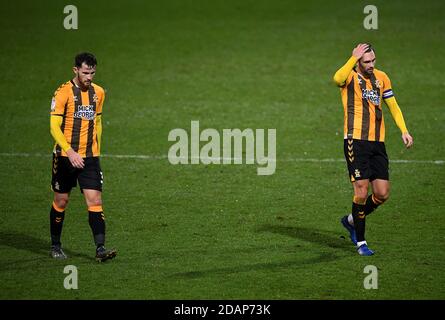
x=56, y=223
x=371, y=204
x=97, y=224
x=359, y=220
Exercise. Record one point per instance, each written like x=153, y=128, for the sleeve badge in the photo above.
x=53, y=104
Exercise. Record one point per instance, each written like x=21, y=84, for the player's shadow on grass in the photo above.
x=320, y=237
x=21, y=241
x=342, y=248
x=292, y=263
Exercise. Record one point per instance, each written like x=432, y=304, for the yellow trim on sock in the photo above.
x=376, y=200
x=95, y=209
x=58, y=209
x=358, y=200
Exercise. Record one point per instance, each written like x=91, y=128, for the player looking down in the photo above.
x=76, y=126
x=363, y=89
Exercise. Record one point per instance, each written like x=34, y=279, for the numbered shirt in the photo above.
x=79, y=110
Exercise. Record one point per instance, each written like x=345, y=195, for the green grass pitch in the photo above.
x=222, y=231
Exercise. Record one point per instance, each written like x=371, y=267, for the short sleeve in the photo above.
x=387, y=87
x=59, y=102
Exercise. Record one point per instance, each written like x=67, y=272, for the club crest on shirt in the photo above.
x=372, y=96
x=378, y=83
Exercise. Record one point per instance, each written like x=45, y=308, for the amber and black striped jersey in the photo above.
x=79, y=110
x=362, y=102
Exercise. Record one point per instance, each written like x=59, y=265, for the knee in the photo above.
x=93, y=198
x=382, y=195
x=94, y=201
x=361, y=193
x=61, y=202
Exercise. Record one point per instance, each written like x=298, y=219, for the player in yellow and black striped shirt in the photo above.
x=80, y=115
x=363, y=89
x=76, y=126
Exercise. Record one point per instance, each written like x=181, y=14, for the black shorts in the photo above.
x=366, y=160
x=65, y=176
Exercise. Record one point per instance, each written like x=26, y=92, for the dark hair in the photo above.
x=88, y=58
x=370, y=48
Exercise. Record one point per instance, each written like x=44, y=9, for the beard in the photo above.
x=366, y=72
x=83, y=83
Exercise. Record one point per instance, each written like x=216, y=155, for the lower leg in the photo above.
x=372, y=203
x=359, y=217
x=380, y=193
x=96, y=220
x=56, y=218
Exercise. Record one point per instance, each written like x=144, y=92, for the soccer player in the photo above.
x=76, y=126
x=363, y=88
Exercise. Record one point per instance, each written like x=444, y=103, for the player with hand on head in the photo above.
x=363, y=89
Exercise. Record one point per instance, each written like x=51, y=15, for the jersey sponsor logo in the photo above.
x=372, y=96
x=85, y=112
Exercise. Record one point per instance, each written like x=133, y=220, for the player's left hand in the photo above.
x=407, y=140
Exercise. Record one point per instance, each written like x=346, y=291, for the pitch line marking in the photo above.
x=162, y=157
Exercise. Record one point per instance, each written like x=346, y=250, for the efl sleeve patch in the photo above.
x=53, y=104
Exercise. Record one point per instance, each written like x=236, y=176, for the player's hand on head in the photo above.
x=407, y=140
x=75, y=159
x=360, y=50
